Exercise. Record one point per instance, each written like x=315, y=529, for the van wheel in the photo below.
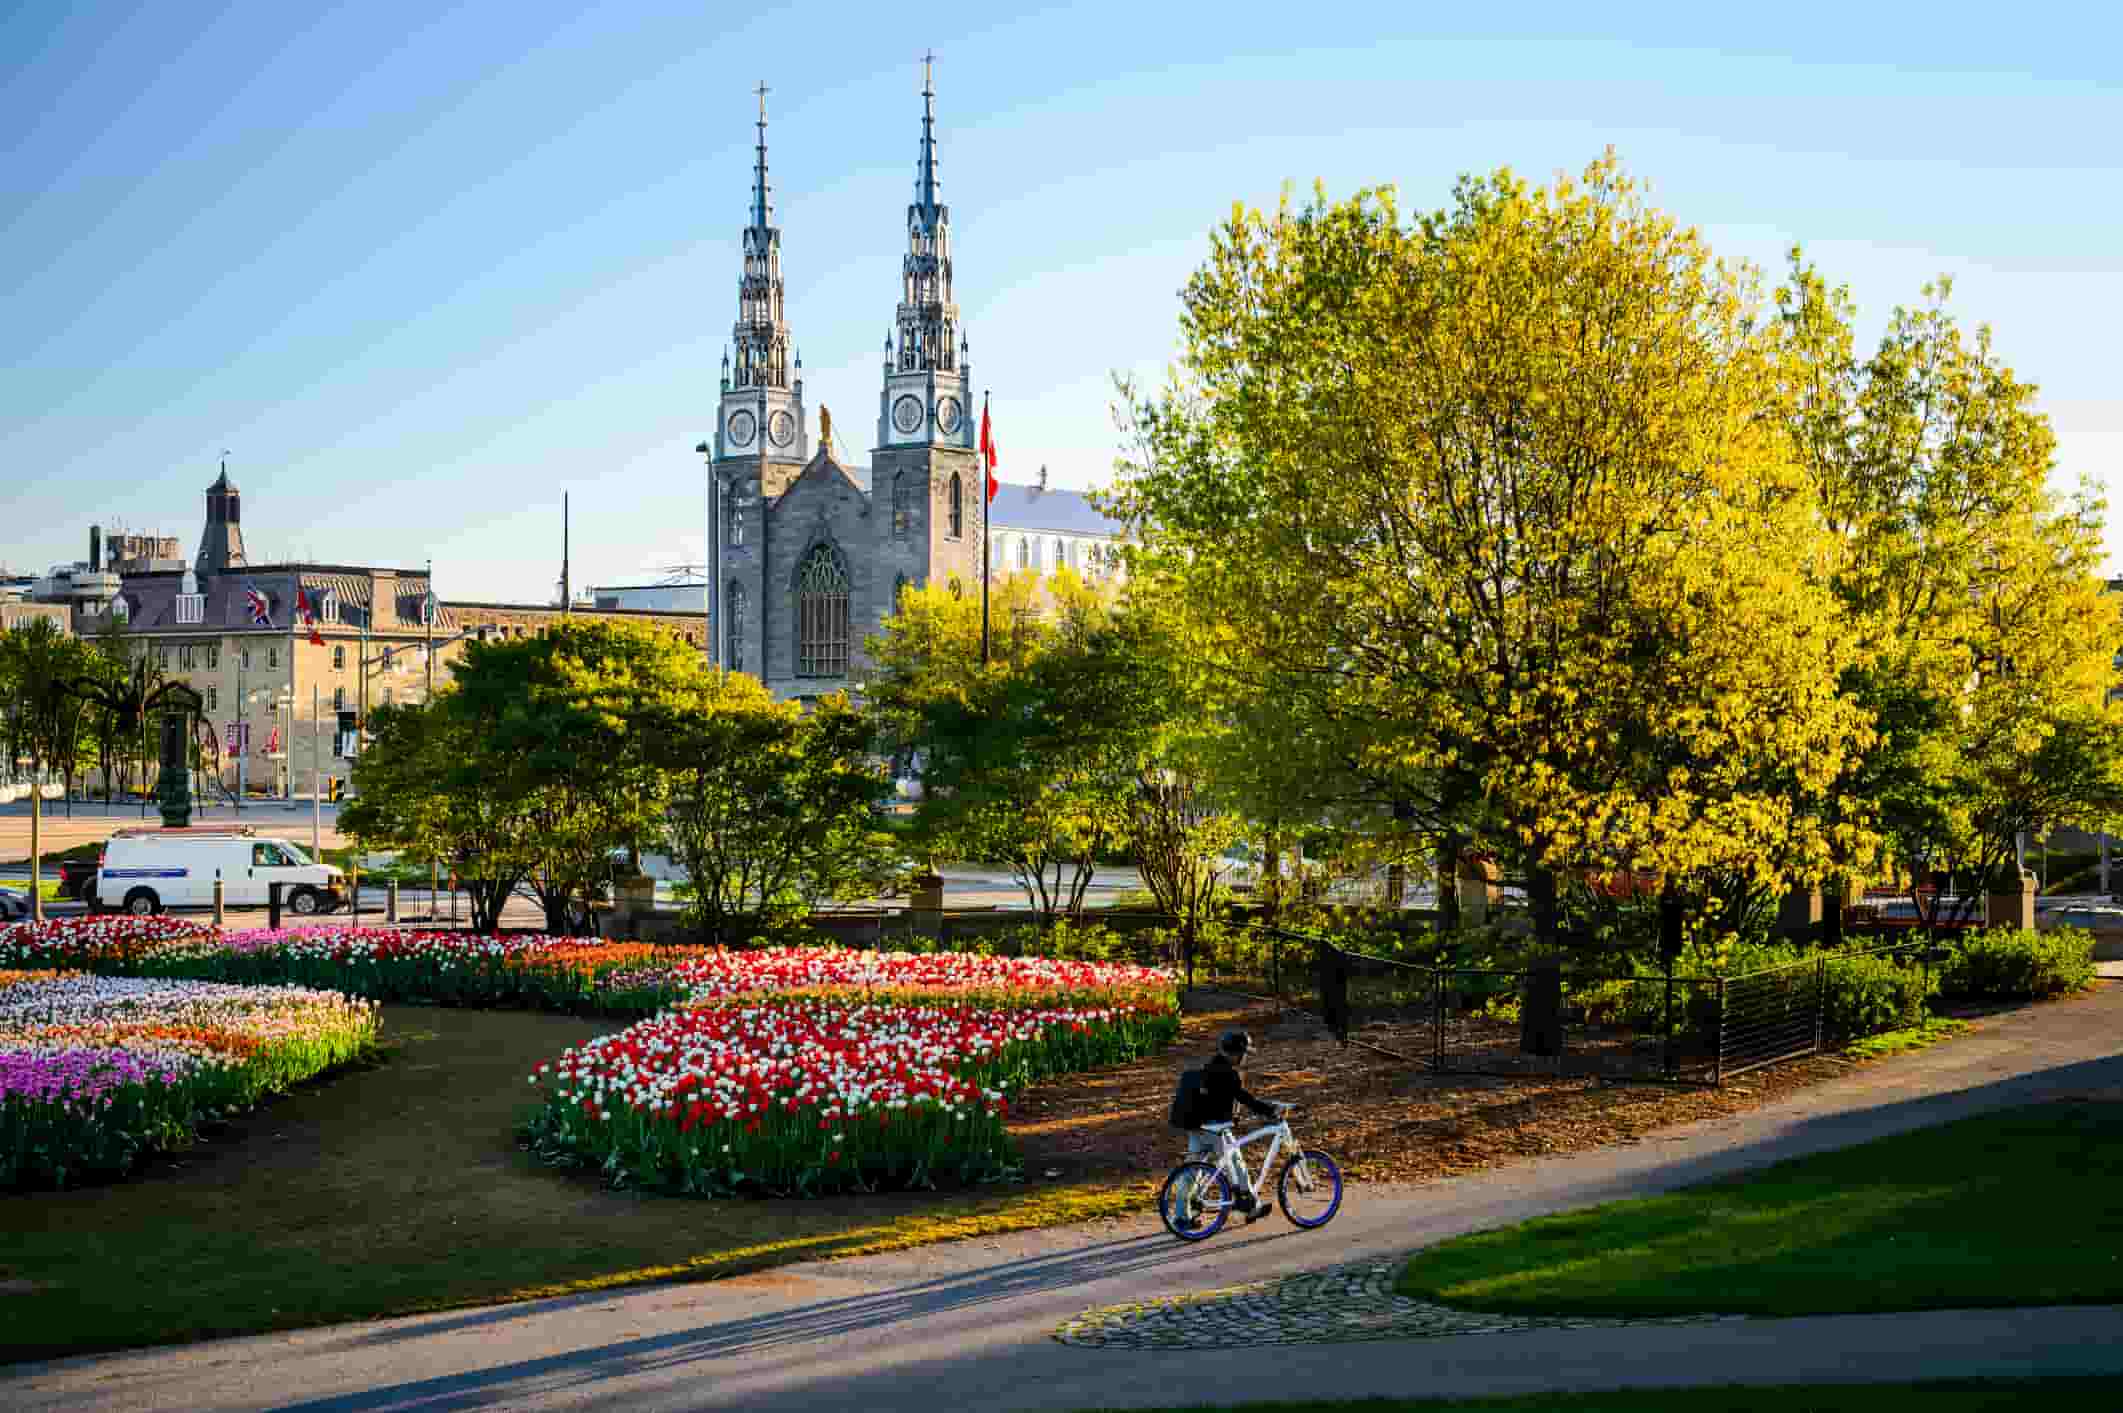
x=142, y=902
x=304, y=902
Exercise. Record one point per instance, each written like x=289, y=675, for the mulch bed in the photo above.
x=1386, y=1119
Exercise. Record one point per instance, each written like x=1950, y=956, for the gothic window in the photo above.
x=822, y=614
x=902, y=503
x=246, y=659
x=958, y=507
x=1024, y=553
x=213, y=699
x=734, y=609
x=184, y=657
x=272, y=657
x=338, y=699
x=213, y=657
x=1061, y=554
x=339, y=657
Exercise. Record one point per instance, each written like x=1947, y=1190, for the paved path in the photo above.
x=971, y=1325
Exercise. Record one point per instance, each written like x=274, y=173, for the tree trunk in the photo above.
x=1448, y=882
x=1271, y=883
x=1547, y=916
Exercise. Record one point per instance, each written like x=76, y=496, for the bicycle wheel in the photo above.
x=1195, y=1202
x=1310, y=1189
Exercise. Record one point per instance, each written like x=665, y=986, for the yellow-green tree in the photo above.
x=1496, y=490
x=1981, y=641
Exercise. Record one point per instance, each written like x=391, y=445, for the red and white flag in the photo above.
x=309, y=616
x=987, y=447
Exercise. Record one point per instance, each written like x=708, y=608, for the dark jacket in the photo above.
x=1220, y=1090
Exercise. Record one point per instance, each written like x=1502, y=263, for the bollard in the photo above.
x=220, y=899
x=272, y=905
x=390, y=901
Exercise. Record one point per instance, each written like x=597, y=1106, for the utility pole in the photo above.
x=567, y=592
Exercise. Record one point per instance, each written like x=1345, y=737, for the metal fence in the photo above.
x=1546, y=1020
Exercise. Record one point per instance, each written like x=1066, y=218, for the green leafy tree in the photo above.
x=770, y=809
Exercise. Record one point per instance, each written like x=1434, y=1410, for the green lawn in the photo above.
x=2016, y=1208
x=2096, y=1395
x=398, y=1187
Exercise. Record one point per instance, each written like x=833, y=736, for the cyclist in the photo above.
x=1221, y=1086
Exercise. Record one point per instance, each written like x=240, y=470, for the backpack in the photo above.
x=1184, y=1098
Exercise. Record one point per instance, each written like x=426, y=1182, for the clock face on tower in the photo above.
x=906, y=413
x=782, y=428
x=947, y=413
x=743, y=426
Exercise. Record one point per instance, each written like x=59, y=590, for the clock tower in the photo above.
x=760, y=430
x=922, y=467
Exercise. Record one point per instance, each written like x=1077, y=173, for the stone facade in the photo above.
x=200, y=629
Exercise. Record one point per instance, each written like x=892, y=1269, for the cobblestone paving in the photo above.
x=1336, y=1306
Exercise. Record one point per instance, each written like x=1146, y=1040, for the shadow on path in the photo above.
x=1581, y=1180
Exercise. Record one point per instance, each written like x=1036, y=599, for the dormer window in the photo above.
x=191, y=608
x=328, y=606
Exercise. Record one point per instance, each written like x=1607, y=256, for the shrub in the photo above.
x=2007, y=963
x=1868, y=994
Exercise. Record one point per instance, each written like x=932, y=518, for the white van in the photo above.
x=144, y=871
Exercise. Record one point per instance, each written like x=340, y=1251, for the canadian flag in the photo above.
x=309, y=616
x=987, y=447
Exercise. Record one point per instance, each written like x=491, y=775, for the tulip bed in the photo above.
x=811, y=1093
x=781, y=1070
x=568, y=974
x=96, y=1071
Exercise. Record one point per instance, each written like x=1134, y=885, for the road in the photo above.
x=968, y=1325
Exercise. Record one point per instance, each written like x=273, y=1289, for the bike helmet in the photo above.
x=1235, y=1043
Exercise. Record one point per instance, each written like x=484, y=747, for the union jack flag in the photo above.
x=259, y=606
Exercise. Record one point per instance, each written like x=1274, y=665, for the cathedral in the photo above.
x=806, y=552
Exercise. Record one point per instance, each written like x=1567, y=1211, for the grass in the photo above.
x=1931, y=1031
x=397, y=1188
x=2065, y=1395
x=2015, y=1208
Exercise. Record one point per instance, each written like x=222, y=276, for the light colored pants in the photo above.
x=1202, y=1147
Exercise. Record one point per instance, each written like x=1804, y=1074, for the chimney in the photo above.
x=95, y=549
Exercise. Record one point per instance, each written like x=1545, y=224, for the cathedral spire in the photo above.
x=762, y=212
x=925, y=183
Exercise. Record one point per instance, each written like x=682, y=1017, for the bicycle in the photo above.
x=1309, y=1189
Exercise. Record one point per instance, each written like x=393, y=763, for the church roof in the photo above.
x=1030, y=508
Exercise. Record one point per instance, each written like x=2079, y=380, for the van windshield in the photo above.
x=293, y=854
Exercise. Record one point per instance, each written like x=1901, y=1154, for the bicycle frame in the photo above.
x=1232, y=1150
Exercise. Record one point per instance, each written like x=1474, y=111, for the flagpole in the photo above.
x=987, y=546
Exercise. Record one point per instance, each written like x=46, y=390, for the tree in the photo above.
x=533, y=768
x=38, y=662
x=1982, y=644
x=1485, y=492
x=560, y=722
x=419, y=786
x=1028, y=762
x=770, y=808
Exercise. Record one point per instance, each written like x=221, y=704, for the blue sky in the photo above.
x=421, y=270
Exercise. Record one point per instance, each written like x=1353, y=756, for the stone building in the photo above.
x=232, y=630
x=808, y=549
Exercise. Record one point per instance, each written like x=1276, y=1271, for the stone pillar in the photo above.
x=925, y=903
x=2007, y=909
x=1479, y=890
x=632, y=900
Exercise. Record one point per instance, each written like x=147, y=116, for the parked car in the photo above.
x=77, y=878
x=14, y=906
x=147, y=871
